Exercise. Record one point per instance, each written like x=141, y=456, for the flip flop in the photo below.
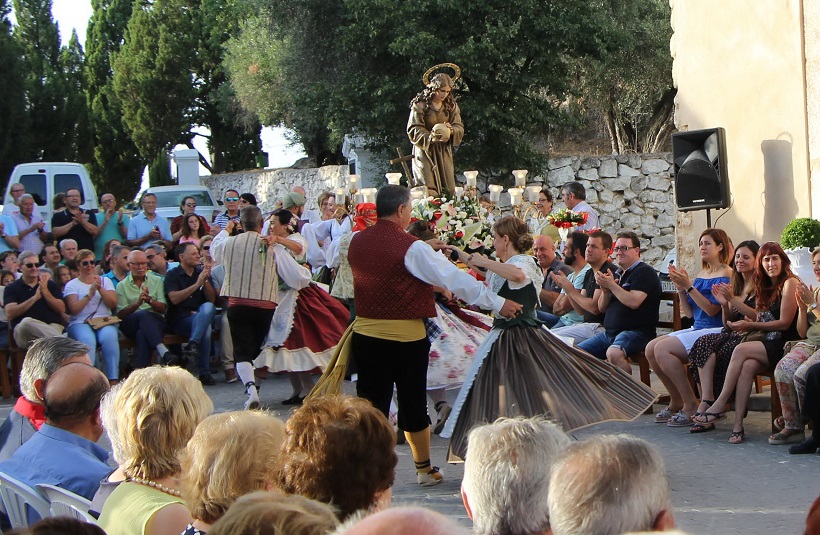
x=702, y=428
x=737, y=437
x=710, y=417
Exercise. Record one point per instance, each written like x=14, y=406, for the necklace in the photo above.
x=159, y=486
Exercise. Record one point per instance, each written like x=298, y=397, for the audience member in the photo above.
x=295, y=203
x=43, y=358
x=63, y=452
x=810, y=411
x=30, y=226
x=119, y=264
x=247, y=199
x=205, y=250
x=141, y=306
x=231, y=212
x=114, y=224
x=192, y=230
x=61, y=525
x=51, y=256
x=158, y=260
x=9, y=239
x=609, y=485
x=16, y=191
x=507, y=475
x=225, y=340
x=339, y=450
x=34, y=305
x=58, y=202
x=630, y=301
x=90, y=298
x=158, y=409
x=191, y=296
x=574, y=196
x=6, y=278
x=585, y=300
x=544, y=250
x=8, y=261
x=74, y=222
x=230, y=455
x=61, y=275
x=147, y=227
x=104, y=261
x=68, y=249
x=274, y=513
x=186, y=208
x=108, y=416
x=402, y=521
x=564, y=314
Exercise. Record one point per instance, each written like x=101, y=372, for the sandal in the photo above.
x=710, y=417
x=664, y=416
x=779, y=423
x=702, y=428
x=708, y=403
x=737, y=437
x=787, y=436
x=680, y=420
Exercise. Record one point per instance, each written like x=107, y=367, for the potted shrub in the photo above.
x=798, y=239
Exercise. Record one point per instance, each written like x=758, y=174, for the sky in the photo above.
x=71, y=14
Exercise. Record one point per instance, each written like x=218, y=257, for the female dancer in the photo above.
x=307, y=324
x=711, y=353
x=776, y=306
x=521, y=369
x=667, y=354
x=434, y=128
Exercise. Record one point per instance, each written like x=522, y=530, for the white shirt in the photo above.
x=94, y=308
x=592, y=219
x=294, y=275
x=424, y=263
x=328, y=232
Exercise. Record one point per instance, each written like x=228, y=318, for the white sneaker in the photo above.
x=443, y=413
x=431, y=478
x=252, y=403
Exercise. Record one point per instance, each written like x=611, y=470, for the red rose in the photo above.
x=459, y=234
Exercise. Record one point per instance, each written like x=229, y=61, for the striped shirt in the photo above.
x=221, y=220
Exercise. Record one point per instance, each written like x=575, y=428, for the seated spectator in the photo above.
x=630, y=300
x=119, y=265
x=68, y=249
x=108, y=416
x=158, y=409
x=564, y=315
x=187, y=207
x=74, y=222
x=810, y=411
x=157, y=260
x=191, y=296
x=63, y=452
x=30, y=226
x=507, y=475
x=358, y=475
x=73, y=269
x=17, y=190
x=205, y=251
x=192, y=230
x=51, y=257
x=61, y=275
x=61, y=525
x=113, y=225
x=544, y=250
x=89, y=297
x=402, y=521
x=9, y=238
x=8, y=261
x=225, y=340
x=58, y=202
x=274, y=513
x=141, y=306
x=104, y=260
x=43, y=358
x=231, y=212
x=247, y=199
x=230, y=455
x=147, y=227
x=34, y=305
x=6, y=278
x=608, y=485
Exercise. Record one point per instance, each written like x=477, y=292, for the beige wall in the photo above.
x=739, y=64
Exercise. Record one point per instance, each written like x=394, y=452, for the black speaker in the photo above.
x=701, y=180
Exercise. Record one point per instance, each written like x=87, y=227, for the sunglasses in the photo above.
x=31, y=265
x=243, y=201
x=231, y=199
x=206, y=247
x=86, y=263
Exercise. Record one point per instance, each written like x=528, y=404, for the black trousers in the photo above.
x=249, y=328
x=811, y=403
x=383, y=363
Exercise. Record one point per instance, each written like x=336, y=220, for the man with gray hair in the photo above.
x=401, y=521
x=34, y=303
x=574, y=195
x=507, y=475
x=609, y=485
x=30, y=226
x=44, y=357
x=69, y=249
x=158, y=260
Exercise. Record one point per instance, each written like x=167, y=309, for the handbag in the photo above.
x=99, y=323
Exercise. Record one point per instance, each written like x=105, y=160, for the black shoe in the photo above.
x=206, y=379
x=295, y=400
x=191, y=351
x=172, y=359
x=809, y=445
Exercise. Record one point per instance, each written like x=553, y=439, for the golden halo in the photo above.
x=456, y=72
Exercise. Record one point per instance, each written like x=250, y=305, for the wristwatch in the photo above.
x=813, y=306
x=150, y=299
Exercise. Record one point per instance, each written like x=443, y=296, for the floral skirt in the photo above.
x=453, y=350
x=722, y=345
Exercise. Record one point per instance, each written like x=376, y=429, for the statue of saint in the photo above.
x=434, y=128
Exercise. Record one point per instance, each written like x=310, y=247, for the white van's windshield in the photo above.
x=167, y=199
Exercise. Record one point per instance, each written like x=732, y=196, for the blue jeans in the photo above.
x=550, y=320
x=109, y=340
x=197, y=327
x=630, y=342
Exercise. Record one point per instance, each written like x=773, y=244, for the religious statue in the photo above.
x=434, y=128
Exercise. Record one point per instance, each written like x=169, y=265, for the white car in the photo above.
x=169, y=200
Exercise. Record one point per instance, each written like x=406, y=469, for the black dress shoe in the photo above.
x=809, y=445
x=206, y=379
x=172, y=359
x=295, y=400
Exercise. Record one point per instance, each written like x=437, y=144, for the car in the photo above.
x=169, y=199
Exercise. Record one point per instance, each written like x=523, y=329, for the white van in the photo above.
x=43, y=180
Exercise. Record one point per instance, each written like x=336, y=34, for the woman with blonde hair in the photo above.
x=158, y=409
x=273, y=513
x=230, y=455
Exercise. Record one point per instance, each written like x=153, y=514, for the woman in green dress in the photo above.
x=522, y=369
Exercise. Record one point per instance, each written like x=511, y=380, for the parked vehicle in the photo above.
x=43, y=180
x=169, y=198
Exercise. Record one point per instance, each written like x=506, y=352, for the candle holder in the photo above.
x=369, y=194
x=394, y=179
x=470, y=188
x=520, y=177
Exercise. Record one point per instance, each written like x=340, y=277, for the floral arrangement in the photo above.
x=566, y=218
x=460, y=222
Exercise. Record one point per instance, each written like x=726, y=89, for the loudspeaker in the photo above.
x=701, y=180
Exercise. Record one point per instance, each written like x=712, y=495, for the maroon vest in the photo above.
x=382, y=286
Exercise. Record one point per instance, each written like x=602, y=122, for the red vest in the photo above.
x=382, y=286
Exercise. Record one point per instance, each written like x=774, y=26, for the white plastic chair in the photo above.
x=65, y=503
x=19, y=499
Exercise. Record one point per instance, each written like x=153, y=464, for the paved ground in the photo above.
x=717, y=488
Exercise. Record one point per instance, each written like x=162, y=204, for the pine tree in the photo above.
x=14, y=143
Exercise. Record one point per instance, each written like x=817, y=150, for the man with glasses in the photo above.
x=231, y=212
x=16, y=191
x=74, y=222
x=629, y=299
x=141, y=306
x=30, y=226
x=148, y=228
x=119, y=264
x=574, y=196
x=114, y=224
x=157, y=260
x=34, y=303
x=188, y=206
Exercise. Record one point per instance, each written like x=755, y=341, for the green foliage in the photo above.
x=803, y=232
x=159, y=172
x=77, y=127
x=14, y=143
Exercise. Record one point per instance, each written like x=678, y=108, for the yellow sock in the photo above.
x=420, y=447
